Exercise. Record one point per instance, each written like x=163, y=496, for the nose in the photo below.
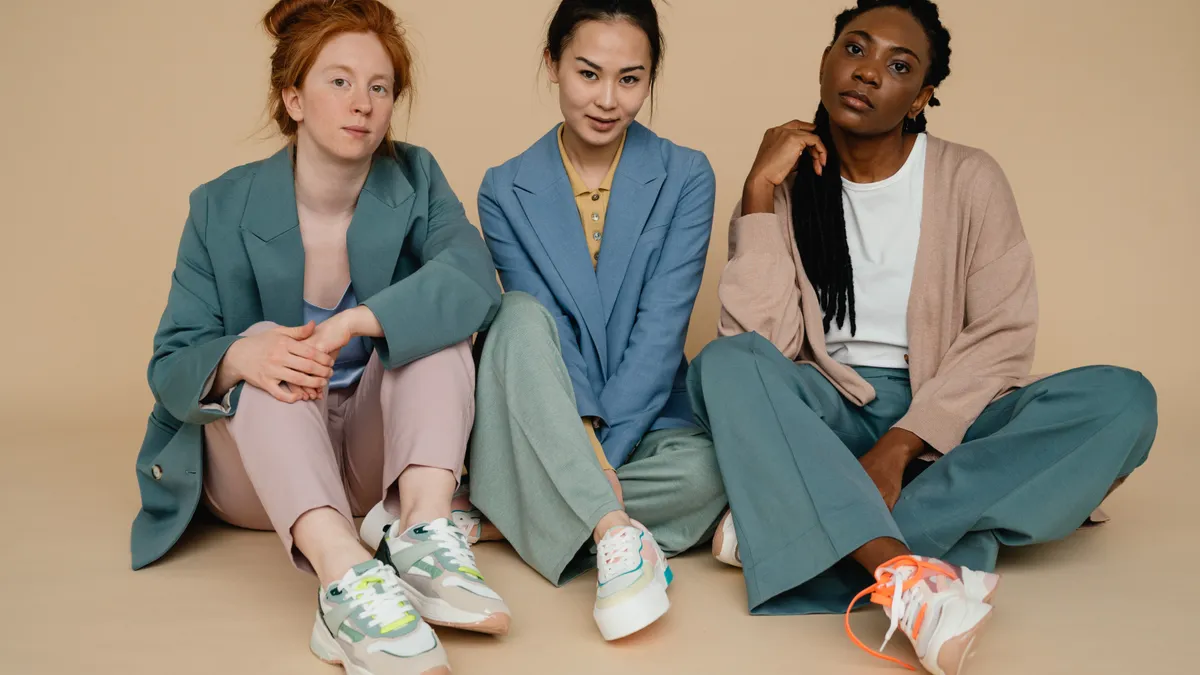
x=361, y=102
x=606, y=98
x=867, y=72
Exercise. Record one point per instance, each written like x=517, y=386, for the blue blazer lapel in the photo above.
x=271, y=233
x=636, y=184
x=379, y=227
x=543, y=189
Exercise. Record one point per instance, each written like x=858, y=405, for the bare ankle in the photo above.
x=425, y=495
x=878, y=551
x=329, y=542
x=611, y=520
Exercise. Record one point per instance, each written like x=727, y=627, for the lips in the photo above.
x=858, y=96
x=601, y=120
x=357, y=129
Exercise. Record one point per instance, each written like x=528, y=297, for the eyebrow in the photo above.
x=348, y=69
x=594, y=66
x=871, y=38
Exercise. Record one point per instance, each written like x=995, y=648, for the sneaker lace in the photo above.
x=895, y=581
x=378, y=595
x=453, y=544
x=616, y=551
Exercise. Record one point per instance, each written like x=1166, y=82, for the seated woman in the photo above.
x=870, y=399
x=599, y=232
x=314, y=357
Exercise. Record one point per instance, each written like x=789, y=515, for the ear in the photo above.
x=551, y=67
x=921, y=101
x=291, y=102
x=821, y=71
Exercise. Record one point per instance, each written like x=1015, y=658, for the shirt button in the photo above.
x=595, y=217
x=595, y=196
x=596, y=236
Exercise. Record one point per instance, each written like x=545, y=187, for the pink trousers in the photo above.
x=272, y=462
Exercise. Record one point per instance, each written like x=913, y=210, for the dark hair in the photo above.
x=817, y=215
x=641, y=13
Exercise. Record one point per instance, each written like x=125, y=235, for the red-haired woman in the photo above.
x=314, y=358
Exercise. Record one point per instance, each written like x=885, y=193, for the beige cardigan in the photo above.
x=972, y=312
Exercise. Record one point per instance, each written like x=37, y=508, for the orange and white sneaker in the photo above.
x=725, y=543
x=978, y=585
x=927, y=600
x=633, y=576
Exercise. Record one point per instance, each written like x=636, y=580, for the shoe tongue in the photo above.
x=355, y=575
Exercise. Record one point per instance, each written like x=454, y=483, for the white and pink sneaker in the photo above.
x=633, y=576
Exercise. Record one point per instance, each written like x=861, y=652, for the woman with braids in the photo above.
x=870, y=398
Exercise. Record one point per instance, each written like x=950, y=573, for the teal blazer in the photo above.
x=622, y=325
x=419, y=264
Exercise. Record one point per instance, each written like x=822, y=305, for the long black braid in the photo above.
x=817, y=214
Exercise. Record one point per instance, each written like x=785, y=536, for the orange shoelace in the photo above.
x=884, y=590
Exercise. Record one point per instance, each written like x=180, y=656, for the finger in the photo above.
x=312, y=351
x=307, y=366
x=299, y=332
x=282, y=392
x=801, y=125
x=300, y=379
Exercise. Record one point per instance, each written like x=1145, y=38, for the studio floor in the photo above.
x=1120, y=598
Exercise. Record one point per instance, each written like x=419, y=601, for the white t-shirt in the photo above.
x=883, y=226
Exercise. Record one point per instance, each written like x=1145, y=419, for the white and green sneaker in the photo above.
x=366, y=624
x=437, y=570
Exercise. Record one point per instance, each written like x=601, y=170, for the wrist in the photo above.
x=909, y=445
x=230, y=365
x=758, y=195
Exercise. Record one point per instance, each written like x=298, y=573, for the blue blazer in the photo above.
x=622, y=325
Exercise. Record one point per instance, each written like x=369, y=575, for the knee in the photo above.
x=255, y=402
x=521, y=320
x=727, y=353
x=705, y=482
x=1122, y=391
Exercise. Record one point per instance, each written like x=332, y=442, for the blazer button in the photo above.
x=595, y=196
x=156, y=471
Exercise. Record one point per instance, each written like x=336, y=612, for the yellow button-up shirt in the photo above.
x=593, y=206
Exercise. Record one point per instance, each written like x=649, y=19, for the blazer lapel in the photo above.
x=379, y=227
x=271, y=233
x=636, y=185
x=542, y=188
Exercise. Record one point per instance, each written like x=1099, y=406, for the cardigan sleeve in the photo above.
x=996, y=345
x=759, y=290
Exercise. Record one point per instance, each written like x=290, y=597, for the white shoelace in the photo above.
x=903, y=611
x=380, y=597
x=617, y=553
x=453, y=543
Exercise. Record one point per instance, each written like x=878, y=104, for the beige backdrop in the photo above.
x=112, y=111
